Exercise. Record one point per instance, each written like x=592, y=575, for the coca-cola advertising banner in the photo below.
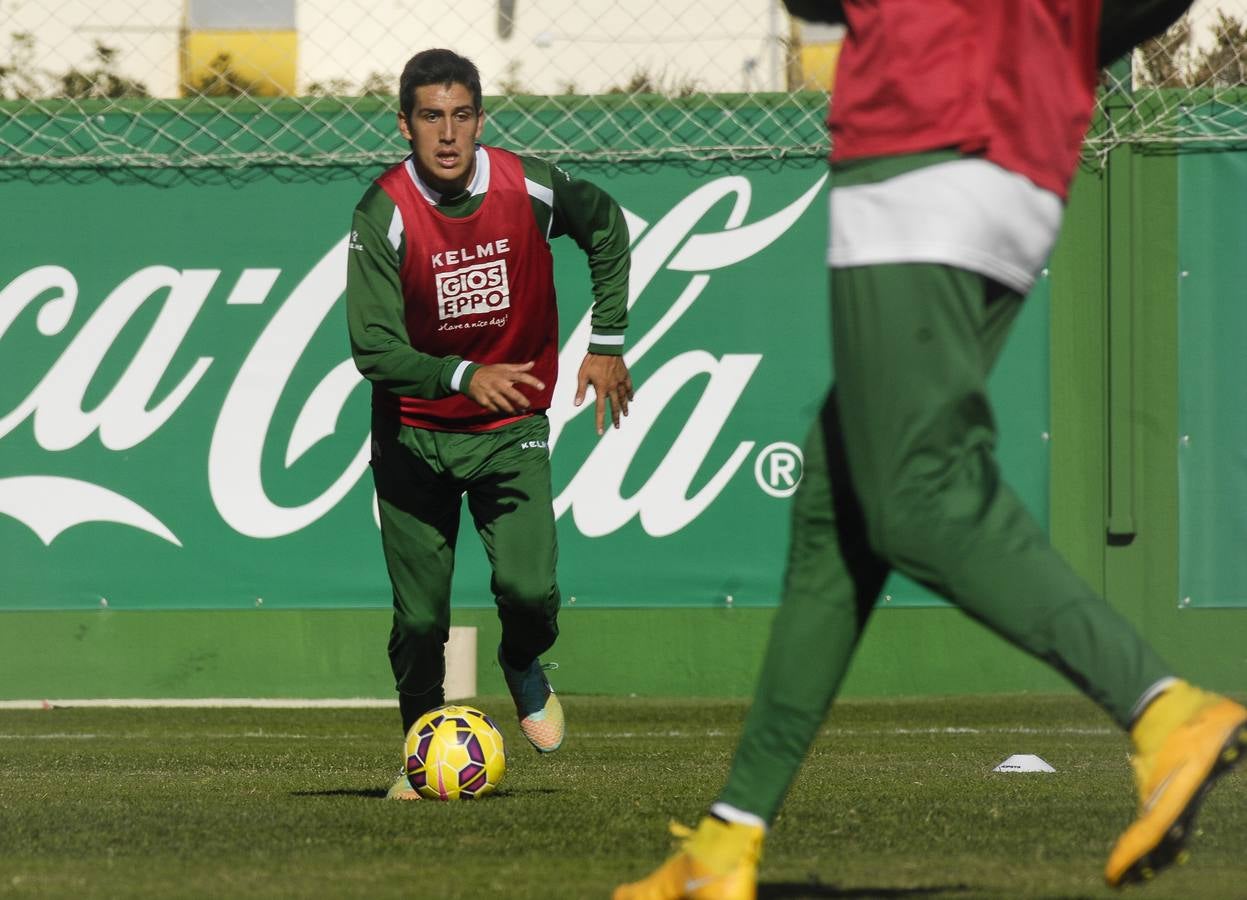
x=181, y=425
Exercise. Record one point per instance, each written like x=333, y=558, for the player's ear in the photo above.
x=404, y=127
x=480, y=123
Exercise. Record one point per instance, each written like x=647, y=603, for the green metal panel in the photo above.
x=1137, y=221
x=1119, y=262
x=1079, y=470
x=1212, y=373
x=1141, y=567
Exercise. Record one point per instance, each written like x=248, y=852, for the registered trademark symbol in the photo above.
x=778, y=468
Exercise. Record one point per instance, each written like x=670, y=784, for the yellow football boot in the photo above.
x=718, y=861
x=1184, y=741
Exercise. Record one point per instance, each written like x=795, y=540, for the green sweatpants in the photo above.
x=900, y=474
x=421, y=478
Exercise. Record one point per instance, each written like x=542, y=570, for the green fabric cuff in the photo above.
x=459, y=375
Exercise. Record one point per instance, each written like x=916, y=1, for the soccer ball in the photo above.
x=454, y=753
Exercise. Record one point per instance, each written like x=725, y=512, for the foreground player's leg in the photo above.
x=938, y=510
x=831, y=581
x=830, y=585
x=511, y=502
x=920, y=438
x=1184, y=740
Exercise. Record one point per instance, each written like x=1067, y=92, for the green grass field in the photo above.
x=898, y=800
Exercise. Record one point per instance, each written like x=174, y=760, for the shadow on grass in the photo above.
x=793, y=890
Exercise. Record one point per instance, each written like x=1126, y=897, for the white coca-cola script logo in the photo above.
x=131, y=412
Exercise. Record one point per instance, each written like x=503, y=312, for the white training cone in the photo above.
x=1023, y=762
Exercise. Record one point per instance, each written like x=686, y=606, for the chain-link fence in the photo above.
x=1184, y=89
x=242, y=82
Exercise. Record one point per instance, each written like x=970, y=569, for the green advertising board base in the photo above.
x=341, y=654
x=673, y=652
x=314, y=654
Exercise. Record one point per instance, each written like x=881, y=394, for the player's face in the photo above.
x=444, y=127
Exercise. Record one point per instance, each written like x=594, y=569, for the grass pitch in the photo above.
x=897, y=800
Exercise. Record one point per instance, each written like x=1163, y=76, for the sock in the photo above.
x=727, y=813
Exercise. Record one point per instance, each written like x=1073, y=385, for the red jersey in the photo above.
x=1011, y=80
x=480, y=287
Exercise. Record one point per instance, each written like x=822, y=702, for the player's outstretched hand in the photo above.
x=494, y=386
x=611, y=384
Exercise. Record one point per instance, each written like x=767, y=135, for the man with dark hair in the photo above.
x=956, y=129
x=452, y=317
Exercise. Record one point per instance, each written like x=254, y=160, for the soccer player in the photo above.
x=956, y=129
x=452, y=316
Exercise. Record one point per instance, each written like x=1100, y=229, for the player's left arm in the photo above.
x=593, y=219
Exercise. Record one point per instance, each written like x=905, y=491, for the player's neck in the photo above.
x=447, y=190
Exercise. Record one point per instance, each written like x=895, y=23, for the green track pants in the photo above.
x=421, y=478
x=900, y=474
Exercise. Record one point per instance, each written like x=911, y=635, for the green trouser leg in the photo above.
x=512, y=505
x=830, y=586
x=910, y=419
x=421, y=477
x=419, y=514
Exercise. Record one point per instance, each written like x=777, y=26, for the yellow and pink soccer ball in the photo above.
x=454, y=753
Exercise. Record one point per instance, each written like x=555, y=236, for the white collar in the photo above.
x=478, y=185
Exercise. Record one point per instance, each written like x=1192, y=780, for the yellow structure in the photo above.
x=814, y=51
x=818, y=65
x=238, y=47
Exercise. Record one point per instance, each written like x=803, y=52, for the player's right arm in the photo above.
x=375, y=310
